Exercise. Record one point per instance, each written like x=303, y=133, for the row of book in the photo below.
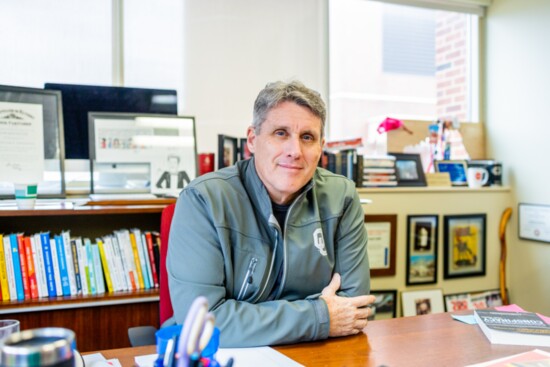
x=52, y=265
x=365, y=171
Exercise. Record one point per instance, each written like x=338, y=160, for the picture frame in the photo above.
x=228, y=151
x=141, y=153
x=464, y=245
x=244, y=153
x=424, y=302
x=381, y=245
x=457, y=170
x=385, y=305
x=472, y=301
x=534, y=222
x=409, y=170
x=422, y=233
x=41, y=113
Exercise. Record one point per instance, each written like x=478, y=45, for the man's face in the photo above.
x=287, y=149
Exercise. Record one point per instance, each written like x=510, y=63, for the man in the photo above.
x=276, y=245
x=172, y=177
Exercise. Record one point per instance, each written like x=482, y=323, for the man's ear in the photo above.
x=251, y=139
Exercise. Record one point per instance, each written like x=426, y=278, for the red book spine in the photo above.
x=149, y=240
x=23, y=261
x=31, y=269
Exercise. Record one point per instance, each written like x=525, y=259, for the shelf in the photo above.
x=433, y=189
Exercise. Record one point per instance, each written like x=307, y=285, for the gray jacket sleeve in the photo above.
x=198, y=264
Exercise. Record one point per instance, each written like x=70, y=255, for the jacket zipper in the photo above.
x=248, y=277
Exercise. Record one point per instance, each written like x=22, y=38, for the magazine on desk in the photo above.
x=515, y=328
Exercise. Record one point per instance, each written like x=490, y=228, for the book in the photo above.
x=99, y=278
x=63, y=266
x=55, y=265
x=9, y=268
x=31, y=270
x=3, y=272
x=147, y=261
x=24, y=269
x=154, y=269
x=515, y=328
x=15, y=258
x=105, y=265
x=76, y=266
x=36, y=243
x=136, y=263
x=48, y=264
x=91, y=275
x=81, y=255
x=69, y=261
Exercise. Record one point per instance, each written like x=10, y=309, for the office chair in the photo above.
x=145, y=335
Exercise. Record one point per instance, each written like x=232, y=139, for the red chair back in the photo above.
x=165, y=304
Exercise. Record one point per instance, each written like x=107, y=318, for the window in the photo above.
x=399, y=61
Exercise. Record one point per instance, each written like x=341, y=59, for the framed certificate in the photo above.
x=382, y=232
x=534, y=222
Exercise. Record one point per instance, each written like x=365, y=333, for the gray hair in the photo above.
x=294, y=91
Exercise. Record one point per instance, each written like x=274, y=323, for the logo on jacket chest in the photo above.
x=319, y=241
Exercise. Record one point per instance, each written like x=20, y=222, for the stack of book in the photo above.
x=379, y=171
x=47, y=265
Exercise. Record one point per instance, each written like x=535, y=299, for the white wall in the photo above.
x=517, y=105
x=234, y=48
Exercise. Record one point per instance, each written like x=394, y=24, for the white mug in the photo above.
x=477, y=176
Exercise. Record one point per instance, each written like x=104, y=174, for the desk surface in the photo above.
x=430, y=340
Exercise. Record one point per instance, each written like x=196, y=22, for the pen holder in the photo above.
x=166, y=333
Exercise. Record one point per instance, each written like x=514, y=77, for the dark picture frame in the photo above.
x=385, y=305
x=465, y=245
x=422, y=236
x=381, y=245
x=409, y=171
x=244, y=153
x=457, y=170
x=228, y=151
x=54, y=149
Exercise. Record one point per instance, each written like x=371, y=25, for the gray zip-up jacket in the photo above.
x=225, y=244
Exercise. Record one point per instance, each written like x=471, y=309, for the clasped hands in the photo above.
x=348, y=315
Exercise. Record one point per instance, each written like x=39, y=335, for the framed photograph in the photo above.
x=464, y=245
x=422, y=249
x=31, y=141
x=244, y=153
x=385, y=305
x=457, y=171
x=534, y=222
x=409, y=169
x=141, y=153
x=381, y=246
x=458, y=302
x=422, y=302
x=228, y=151
x=473, y=301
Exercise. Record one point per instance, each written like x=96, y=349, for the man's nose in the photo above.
x=294, y=147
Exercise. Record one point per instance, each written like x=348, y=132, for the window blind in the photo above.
x=476, y=7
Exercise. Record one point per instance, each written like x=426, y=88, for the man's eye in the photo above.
x=308, y=137
x=280, y=133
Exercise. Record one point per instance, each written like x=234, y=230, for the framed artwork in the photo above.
x=228, y=151
x=136, y=153
x=381, y=246
x=422, y=302
x=385, y=305
x=464, y=245
x=534, y=222
x=473, y=301
x=457, y=171
x=409, y=169
x=31, y=141
x=244, y=153
x=422, y=249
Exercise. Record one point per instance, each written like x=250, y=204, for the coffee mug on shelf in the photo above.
x=477, y=177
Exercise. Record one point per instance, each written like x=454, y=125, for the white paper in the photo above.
x=21, y=142
x=534, y=222
x=378, y=245
x=243, y=357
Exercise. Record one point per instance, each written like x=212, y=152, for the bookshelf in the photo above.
x=99, y=321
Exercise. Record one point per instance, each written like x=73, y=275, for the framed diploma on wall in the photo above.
x=381, y=246
x=31, y=140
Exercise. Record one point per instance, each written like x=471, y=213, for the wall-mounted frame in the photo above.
x=381, y=246
x=423, y=302
x=409, y=169
x=474, y=300
x=31, y=128
x=134, y=153
x=457, y=171
x=228, y=151
x=465, y=245
x=385, y=305
x=422, y=233
x=534, y=222
x=244, y=153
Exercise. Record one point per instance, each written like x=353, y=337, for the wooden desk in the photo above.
x=431, y=340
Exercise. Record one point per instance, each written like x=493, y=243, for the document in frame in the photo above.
x=378, y=245
x=21, y=142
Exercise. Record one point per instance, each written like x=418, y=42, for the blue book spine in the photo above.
x=91, y=268
x=48, y=264
x=62, y=260
x=20, y=291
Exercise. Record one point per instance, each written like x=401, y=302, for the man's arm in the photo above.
x=196, y=265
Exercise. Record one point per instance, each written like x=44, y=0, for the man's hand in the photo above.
x=348, y=315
